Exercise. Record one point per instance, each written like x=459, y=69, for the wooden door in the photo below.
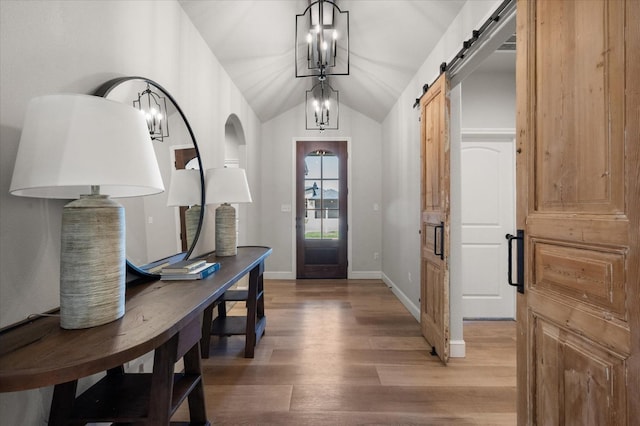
x=321, y=209
x=579, y=206
x=434, y=229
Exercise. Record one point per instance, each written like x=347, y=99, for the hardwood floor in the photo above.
x=348, y=353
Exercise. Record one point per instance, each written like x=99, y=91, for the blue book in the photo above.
x=197, y=274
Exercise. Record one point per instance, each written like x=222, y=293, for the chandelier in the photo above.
x=321, y=107
x=154, y=108
x=322, y=40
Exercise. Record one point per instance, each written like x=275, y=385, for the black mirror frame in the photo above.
x=134, y=272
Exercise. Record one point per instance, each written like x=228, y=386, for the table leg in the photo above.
x=255, y=284
x=205, y=340
x=197, y=406
x=161, y=390
x=64, y=395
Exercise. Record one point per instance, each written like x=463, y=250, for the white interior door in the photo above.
x=488, y=213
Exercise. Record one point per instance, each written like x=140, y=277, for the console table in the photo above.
x=163, y=316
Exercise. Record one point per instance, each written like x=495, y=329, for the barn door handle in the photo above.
x=519, y=237
x=435, y=240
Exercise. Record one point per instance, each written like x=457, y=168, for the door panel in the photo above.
x=321, y=209
x=434, y=289
x=579, y=206
x=580, y=379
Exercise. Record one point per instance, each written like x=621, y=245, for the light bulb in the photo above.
x=309, y=38
x=324, y=45
x=335, y=34
x=326, y=104
x=154, y=111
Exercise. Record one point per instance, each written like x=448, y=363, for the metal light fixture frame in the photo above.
x=322, y=105
x=322, y=40
x=154, y=108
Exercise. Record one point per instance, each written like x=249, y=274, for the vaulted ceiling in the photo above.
x=388, y=41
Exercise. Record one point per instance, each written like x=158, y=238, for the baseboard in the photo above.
x=354, y=275
x=411, y=307
x=279, y=275
x=457, y=349
x=365, y=275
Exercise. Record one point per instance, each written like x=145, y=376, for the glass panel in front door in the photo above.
x=321, y=195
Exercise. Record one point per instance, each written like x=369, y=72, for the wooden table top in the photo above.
x=40, y=353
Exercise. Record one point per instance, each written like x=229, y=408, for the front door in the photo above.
x=321, y=209
x=434, y=271
x=578, y=128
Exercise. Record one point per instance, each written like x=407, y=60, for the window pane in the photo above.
x=312, y=190
x=333, y=214
x=330, y=229
x=330, y=166
x=330, y=194
x=313, y=164
x=312, y=225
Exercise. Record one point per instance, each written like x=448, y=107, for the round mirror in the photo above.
x=161, y=228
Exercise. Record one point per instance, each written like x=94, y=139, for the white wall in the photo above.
x=489, y=100
x=401, y=171
x=278, y=139
x=74, y=46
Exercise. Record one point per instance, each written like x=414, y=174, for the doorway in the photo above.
x=487, y=186
x=500, y=37
x=321, y=209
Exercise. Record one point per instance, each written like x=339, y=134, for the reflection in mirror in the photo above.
x=184, y=192
x=163, y=227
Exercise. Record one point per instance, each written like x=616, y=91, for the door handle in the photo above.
x=435, y=240
x=519, y=237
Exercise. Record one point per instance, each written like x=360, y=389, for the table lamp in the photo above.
x=226, y=186
x=73, y=147
x=185, y=190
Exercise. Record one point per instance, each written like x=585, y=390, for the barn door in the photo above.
x=579, y=206
x=434, y=273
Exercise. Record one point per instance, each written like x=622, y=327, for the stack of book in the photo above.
x=189, y=270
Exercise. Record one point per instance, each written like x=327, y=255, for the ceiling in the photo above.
x=388, y=41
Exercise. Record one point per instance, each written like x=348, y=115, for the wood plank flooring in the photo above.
x=348, y=353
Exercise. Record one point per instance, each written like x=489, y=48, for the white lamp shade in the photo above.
x=71, y=142
x=228, y=185
x=185, y=188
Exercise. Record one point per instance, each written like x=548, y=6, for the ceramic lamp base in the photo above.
x=226, y=231
x=92, y=262
x=192, y=220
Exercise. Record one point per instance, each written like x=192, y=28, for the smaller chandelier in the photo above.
x=322, y=40
x=154, y=108
x=321, y=107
